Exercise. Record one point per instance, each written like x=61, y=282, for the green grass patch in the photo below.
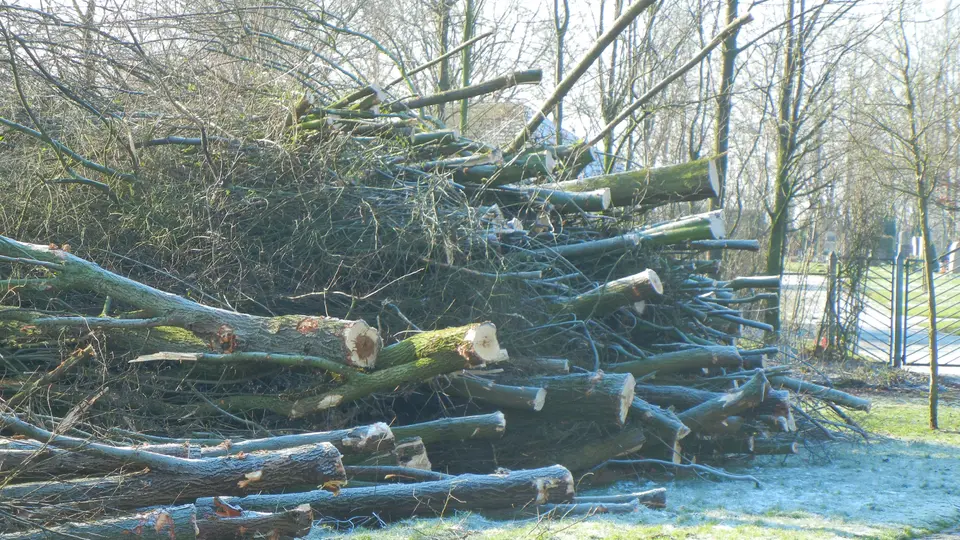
x=805, y=267
x=909, y=420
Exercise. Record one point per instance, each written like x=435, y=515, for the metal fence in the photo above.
x=914, y=347
x=876, y=309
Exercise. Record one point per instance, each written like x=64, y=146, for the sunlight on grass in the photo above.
x=908, y=420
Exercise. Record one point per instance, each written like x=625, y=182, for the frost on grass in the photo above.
x=873, y=490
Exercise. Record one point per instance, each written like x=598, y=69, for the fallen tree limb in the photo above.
x=399, y=501
x=611, y=296
x=162, y=524
x=682, y=361
x=693, y=181
x=358, y=440
x=317, y=464
x=708, y=226
x=360, y=385
x=483, y=426
x=715, y=410
x=653, y=498
x=500, y=395
x=822, y=392
x=383, y=474
x=352, y=343
x=226, y=523
x=530, y=76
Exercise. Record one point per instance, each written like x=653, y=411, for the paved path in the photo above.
x=804, y=298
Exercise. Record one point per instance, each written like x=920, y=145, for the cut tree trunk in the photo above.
x=714, y=411
x=533, y=365
x=590, y=453
x=682, y=361
x=317, y=464
x=227, y=523
x=399, y=501
x=601, y=397
x=177, y=522
x=613, y=295
x=525, y=166
x=409, y=454
x=568, y=202
x=483, y=426
x=708, y=226
x=358, y=440
x=385, y=474
x=500, y=395
x=476, y=343
x=352, y=343
x=32, y=460
x=773, y=447
x=693, y=181
x=679, y=397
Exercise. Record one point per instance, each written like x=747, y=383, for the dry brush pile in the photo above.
x=350, y=314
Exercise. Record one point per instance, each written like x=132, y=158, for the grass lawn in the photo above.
x=903, y=484
x=805, y=267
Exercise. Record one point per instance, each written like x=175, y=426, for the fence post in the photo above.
x=898, y=297
x=833, y=282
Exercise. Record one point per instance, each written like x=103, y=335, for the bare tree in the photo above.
x=912, y=123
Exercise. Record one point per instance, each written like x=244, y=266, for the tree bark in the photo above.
x=821, y=392
x=714, y=411
x=241, y=524
x=317, y=464
x=601, y=397
x=484, y=426
x=476, y=343
x=400, y=501
x=177, y=522
x=611, y=296
x=682, y=361
x=694, y=181
x=357, y=440
x=499, y=395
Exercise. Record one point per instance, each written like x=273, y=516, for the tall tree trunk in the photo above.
x=924, y=193
x=929, y=257
x=780, y=217
x=443, y=14
x=721, y=142
x=560, y=25
x=466, y=61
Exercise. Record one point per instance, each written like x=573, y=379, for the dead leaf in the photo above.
x=223, y=509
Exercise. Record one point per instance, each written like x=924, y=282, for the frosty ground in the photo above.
x=903, y=483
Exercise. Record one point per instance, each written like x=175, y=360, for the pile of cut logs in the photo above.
x=654, y=381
